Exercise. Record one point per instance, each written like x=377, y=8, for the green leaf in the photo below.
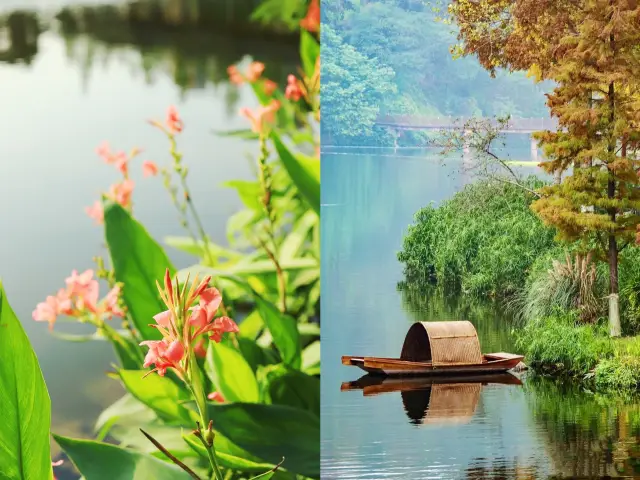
x=161, y=394
x=292, y=245
x=125, y=410
x=309, y=51
x=198, y=248
x=25, y=451
x=101, y=461
x=284, y=331
x=250, y=193
x=138, y=261
x=231, y=375
x=251, y=325
x=267, y=266
x=295, y=389
x=271, y=432
x=311, y=358
x=244, y=133
x=304, y=172
x=226, y=460
x=255, y=355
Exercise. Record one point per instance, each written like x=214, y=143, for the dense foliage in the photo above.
x=402, y=45
x=483, y=240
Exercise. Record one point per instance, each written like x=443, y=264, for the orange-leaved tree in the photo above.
x=589, y=48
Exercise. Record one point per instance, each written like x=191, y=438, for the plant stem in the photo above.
x=171, y=457
x=182, y=173
x=197, y=390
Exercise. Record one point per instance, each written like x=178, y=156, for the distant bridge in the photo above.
x=514, y=125
x=422, y=122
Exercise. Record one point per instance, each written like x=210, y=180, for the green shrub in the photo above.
x=559, y=344
x=574, y=283
x=619, y=373
x=482, y=241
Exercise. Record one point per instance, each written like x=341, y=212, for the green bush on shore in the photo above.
x=560, y=345
x=481, y=241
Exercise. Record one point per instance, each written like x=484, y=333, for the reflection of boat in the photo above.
x=432, y=348
x=433, y=400
x=376, y=384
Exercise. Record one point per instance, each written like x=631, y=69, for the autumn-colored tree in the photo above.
x=590, y=49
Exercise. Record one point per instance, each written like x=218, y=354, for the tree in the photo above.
x=353, y=87
x=590, y=49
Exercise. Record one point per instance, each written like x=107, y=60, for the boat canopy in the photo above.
x=442, y=343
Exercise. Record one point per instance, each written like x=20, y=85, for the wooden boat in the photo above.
x=438, y=348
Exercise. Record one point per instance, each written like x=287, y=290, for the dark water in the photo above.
x=538, y=429
x=64, y=91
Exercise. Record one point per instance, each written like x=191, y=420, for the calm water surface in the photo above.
x=534, y=430
x=63, y=94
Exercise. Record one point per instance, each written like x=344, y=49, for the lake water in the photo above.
x=62, y=96
x=535, y=430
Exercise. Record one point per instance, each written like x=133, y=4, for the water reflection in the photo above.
x=433, y=400
x=168, y=40
x=19, y=32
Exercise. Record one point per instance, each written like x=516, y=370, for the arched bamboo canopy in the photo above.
x=442, y=343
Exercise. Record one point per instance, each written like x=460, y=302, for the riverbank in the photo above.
x=485, y=242
x=559, y=346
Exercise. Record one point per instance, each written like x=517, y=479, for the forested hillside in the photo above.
x=393, y=56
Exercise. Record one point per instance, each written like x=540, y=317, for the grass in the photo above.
x=561, y=346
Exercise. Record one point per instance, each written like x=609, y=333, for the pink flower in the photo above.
x=254, y=71
x=110, y=304
x=84, y=289
x=200, y=348
x=163, y=354
x=235, y=76
x=121, y=192
x=184, y=337
x=269, y=86
x=220, y=326
x=96, y=212
x=49, y=310
x=149, y=169
x=216, y=397
x=173, y=121
x=163, y=318
x=293, y=90
x=261, y=116
x=311, y=22
x=121, y=161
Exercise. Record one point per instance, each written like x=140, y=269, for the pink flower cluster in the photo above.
x=78, y=299
x=262, y=116
x=293, y=91
x=184, y=325
x=253, y=73
x=122, y=191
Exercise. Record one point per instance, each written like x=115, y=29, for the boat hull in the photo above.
x=492, y=363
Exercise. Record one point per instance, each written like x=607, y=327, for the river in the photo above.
x=536, y=430
x=63, y=93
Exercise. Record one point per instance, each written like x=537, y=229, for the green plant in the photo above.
x=483, y=240
x=557, y=344
x=223, y=400
x=570, y=285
